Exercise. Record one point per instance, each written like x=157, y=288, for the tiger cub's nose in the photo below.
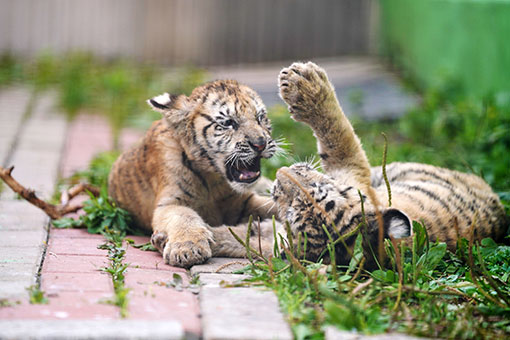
x=258, y=144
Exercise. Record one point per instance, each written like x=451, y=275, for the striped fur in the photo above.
x=195, y=171
x=447, y=202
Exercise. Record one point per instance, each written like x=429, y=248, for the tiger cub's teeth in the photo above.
x=249, y=175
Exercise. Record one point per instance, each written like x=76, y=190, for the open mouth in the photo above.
x=244, y=172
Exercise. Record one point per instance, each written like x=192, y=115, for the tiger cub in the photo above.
x=447, y=202
x=194, y=172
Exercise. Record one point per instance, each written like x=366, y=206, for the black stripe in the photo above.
x=355, y=219
x=206, y=117
x=243, y=210
x=187, y=163
x=339, y=217
x=186, y=192
x=204, y=134
x=344, y=192
x=158, y=105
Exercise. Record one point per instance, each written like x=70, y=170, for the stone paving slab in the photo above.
x=211, y=279
x=241, y=313
x=38, y=148
x=90, y=329
x=22, y=238
x=32, y=217
x=13, y=102
x=219, y=265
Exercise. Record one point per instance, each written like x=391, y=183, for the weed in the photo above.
x=144, y=246
x=116, y=269
x=101, y=215
x=36, y=295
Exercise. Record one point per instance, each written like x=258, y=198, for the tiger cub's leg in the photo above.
x=181, y=235
x=312, y=100
x=261, y=240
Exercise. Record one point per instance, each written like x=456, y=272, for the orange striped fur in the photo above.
x=447, y=202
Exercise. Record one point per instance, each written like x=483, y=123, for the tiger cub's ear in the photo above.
x=396, y=224
x=162, y=103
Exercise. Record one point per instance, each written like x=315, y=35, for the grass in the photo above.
x=427, y=291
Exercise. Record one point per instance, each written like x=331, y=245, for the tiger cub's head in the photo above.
x=312, y=202
x=225, y=126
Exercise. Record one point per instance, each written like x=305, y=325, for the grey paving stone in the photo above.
x=13, y=102
x=21, y=215
x=220, y=265
x=17, y=271
x=241, y=313
x=37, y=154
x=90, y=329
x=19, y=255
x=16, y=289
x=22, y=238
x=333, y=333
x=211, y=279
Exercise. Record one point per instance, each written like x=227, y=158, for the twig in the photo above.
x=228, y=264
x=362, y=286
x=53, y=211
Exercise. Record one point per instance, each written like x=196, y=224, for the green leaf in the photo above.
x=66, y=222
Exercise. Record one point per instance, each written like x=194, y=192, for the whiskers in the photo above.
x=269, y=205
x=239, y=158
x=279, y=148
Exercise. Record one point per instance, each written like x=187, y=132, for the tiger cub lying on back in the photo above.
x=308, y=199
x=193, y=171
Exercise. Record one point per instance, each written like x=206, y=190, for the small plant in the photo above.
x=116, y=269
x=36, y=295
x=101, y=215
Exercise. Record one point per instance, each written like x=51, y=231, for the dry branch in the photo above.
x=52, y=210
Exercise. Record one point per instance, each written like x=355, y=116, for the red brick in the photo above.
x=73, y=309
x=138, y=277
x=53, y=283
x=73, y=233
x=139, y=239
x=79, y=299
x=76, y=246
x=145, y=259
x=89, y=135
x=73, y=263
x=161, y=303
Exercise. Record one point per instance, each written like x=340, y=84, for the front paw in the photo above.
x=184, y=252
x=304, y=87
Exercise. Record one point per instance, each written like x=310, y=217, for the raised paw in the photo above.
x=182, y=253
x=305, y=87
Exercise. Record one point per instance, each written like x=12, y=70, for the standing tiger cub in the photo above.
x=447, y=202
x=193, y=171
